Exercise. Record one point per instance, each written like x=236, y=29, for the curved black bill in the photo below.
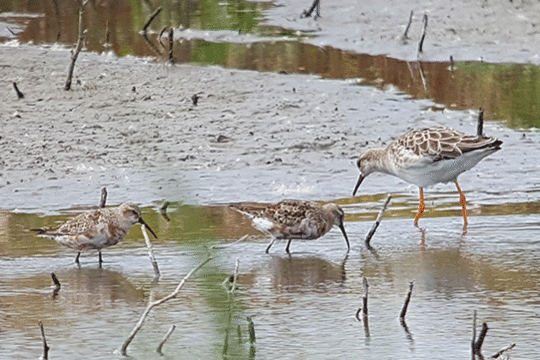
x=345, y=235
x=360, y=179
x=141, y=221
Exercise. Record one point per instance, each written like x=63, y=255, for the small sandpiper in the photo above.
x=96, y=229
x=294, y=219
x=428, y=156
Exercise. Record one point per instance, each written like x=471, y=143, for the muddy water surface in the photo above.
x=303, y=305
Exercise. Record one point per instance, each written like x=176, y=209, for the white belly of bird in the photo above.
x=441, y=171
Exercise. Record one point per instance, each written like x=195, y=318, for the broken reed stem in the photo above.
x=406, y=304
x=503, y=350
x=313, y=6
x=123, y=348
x=477, y=348
x=405, y=35
x=46, y=347
x=157, y=274
x=171, y=43
x=377, y=221
x=421, y=43
x=160, y=346
x=20, y=95
x=480, y=125
x=75, y=54
x=103, y=199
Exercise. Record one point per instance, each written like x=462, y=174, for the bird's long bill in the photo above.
x=345, y=235
x=141, y=221
x=360, y=179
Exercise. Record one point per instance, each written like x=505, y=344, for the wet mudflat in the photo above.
x=130, y=125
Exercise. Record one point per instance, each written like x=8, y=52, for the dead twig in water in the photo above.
x=20, y=95
x=75, y=53
x=503, y=350
x=46, y=347
x=316, y=5
x=477, y=347
x=230, y=296
x=406, y=304
x=473, y=332
x=251, y=330
x=58, y=19
x=480, y=125
x=103, y=199
x=377, y=221
x=421, y=43
x=160, y=346
x=123, y=348
x=405, y=35
x=163, y=210
x=365, y=298
x=145, y=28
x=57, y=284
x=157, y=274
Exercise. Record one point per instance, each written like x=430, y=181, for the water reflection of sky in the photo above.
x=505, y=91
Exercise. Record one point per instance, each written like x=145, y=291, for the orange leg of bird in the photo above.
x=421, y=207
x=463, y=203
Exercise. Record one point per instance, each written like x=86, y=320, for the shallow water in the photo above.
x=303, y=305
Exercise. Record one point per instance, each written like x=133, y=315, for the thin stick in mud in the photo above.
x=480, y=124
x=405, y=35
x=316, y=5
x=171, y=44
x=406, y=304
x=20, y=95
x=78, y=47
x=103, y=199
x=377, y=221
x=46, y=347
x=421, y=43
x=167, y=335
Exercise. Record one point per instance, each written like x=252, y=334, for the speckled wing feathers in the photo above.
x=440, y=143
x=292, y=218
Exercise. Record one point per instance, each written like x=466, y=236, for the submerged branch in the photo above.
x=123, y=348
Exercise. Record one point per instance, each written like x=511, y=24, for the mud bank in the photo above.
x=492, y=31
x=129, y=124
